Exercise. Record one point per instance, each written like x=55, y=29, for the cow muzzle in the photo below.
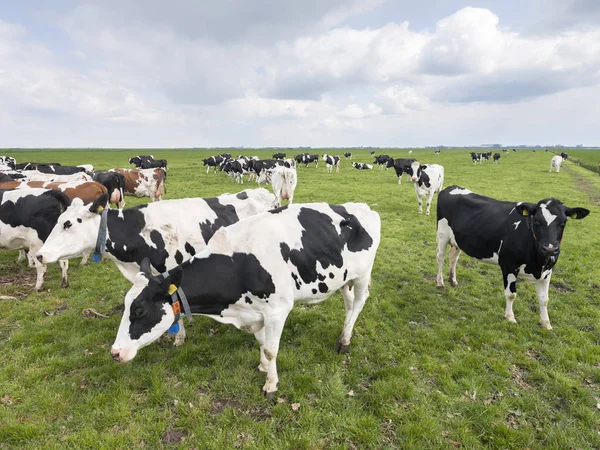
x=413, y=178
x=549, y=249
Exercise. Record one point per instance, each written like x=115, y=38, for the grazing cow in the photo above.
x=27, y=217
x=372, y=152
x=496, y=158
x=235, y=169
x=555, y=163
x=213, y=161
x=437, y=152
x=331, y=162
x=143, y=182
x=475, y=157
x=279, y=156
x=114, y=182
x=307, y=159
x=564, y=155
x=382, y=161
x=400, y=165
x=283, y=181
x=137, y=160
x=361, y=166
x=428, y=180
x=348, y=155
x=297, y=253
x=523, y=238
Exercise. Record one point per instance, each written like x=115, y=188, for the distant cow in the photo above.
x=475, y=157
x=307, y=159
x=361, y=166
x=279, y=156
x=137, y=160
x=523, y=238
x=213, y=161
x=27, y=217
x=428, y=180
x=283, y=181
x=382, y=161
x=264, y=164
x=555, y=163
x=331, y=162
x=437, y=152
x=348, y=155
x=143, y=182
x=297, y=253
x=114, y=182
x=400, y=165
x=496, y=158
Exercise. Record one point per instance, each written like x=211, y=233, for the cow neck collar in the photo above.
x=178, y=298
x=101, y=240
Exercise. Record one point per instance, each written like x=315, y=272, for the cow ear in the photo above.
x=576, y=213
x=525, y=209
x=423, y=167
x=99, y=204
x=146, y=268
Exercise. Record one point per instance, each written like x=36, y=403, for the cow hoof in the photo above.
x=440, y=286
x=546, y=326
x=454, y=283
x=64, y=284
x=270, y=396
x=178, y=342
x=511, y=319
x=342, y=348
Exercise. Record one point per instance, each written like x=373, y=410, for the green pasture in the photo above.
x=427, y=369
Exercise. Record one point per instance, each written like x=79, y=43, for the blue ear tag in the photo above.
x=174, y=328
x=97, y=257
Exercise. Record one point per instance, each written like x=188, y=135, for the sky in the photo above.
x=320, y=73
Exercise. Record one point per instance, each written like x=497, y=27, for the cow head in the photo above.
x=135, y=160
x=414, y=170
x=547, y=221
x=75, y=232
x=148, y=312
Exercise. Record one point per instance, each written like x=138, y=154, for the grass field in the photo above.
x=428, y=368
x=590, y=159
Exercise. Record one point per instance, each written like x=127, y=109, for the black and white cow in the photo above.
x=348, y=155
x=496, y=158
x=564, y=155
x=27, y=217
x=362, y=166
x=307, y=159
x=400, y=165
x=428, y=180
x=485, y=156
x=382, y=161
x=522, y=238
x=251, y=273
x=56, y=169
x=139, y=159
x=475, y=157
x=262, y=165
x=9, y=162
x=235, y=169
x=331, y=162
x=279, y=156
x=213, y=161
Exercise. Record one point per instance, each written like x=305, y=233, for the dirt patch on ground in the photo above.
x=218, y=405
x=584, y=185
x=518, y=375
x=18, y=278
x=174, y=436
x=561, y=287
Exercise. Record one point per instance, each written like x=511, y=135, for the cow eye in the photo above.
x=137, y=312
x=67, y=225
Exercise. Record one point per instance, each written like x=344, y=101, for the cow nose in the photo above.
x=40, y=258
x=550, y=249
x=413, y=178
x=115, y=355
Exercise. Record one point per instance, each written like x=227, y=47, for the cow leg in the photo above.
x=510, y=292
x=419, y=198
x=84, y=259
x=180, y=336
x=290, y=200
x=400, y=179
x=30, y=259
x=337, y=169
x=41, y=270
x=263, y=366
x=22, y=255
x=207, y=169
x=442, y=243
x=541, y=287
x=354, y=304
x=274, y=323
x=453, y=259
x=64, y=267
x=429, y=199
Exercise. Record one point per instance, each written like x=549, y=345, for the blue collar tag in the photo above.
x=174, y=329
x=101, y=241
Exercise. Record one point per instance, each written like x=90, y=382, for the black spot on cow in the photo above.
x=242, y=195
x=226, y=215
x=296, y=281
x=79, y=220
x=142, y=206
x=353, y=233
x=178, y=257
x=331, y=275
x=321, y=277
x=188, y=248
x=247, y=299
x=323, y=287
x=314, y=291
x=278, y=210
x=345, y=274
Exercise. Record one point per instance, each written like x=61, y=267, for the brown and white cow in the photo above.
x=144, y=182
x=88, y=191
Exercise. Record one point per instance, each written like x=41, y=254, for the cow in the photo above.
x=9, y=162
x=361, y=166
x=137, y=160
x=400, y=165
x=88, y=191
x=555, y=163
x=27, y=216
x=564, y=155
x=476, y=157
x=331, y=162
x=522, y=238
x=437, y=152
x=34, y=175
x=213, y=161
x=56, y=169
x=348, y=155
x=382, y=161
x=485, y=156
x=283, y=182
x=143, y=182
x=114, y=182
x=307, y=159
x=371, y=152
x=300, y=158
x=279, y=156
x=88, y=168
x=496, y=158
x=262, y=165
x=296, y=253
x=235, y=169
x=428, y=180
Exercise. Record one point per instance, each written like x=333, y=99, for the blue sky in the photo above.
x=295, y=73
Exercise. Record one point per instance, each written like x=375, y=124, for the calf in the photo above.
x=361, y=166
x=213, y=161
x=27, y=217
x=555, y=163
x=331, y=162
x=496, y=158
x=114, y=182
x=298, y=253
x=400, y=165
x=283, y=181
x=428, y=180
x=522, y=238
x=143, y=182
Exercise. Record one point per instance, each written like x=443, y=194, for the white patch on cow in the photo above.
x=120, y=214
x=548, y=216
x=124, y=247
x=517, y=223
x=460, y=191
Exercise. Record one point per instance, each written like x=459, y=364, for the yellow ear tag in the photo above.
x=100, y=209
x=172, y=289
x=525, y=213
